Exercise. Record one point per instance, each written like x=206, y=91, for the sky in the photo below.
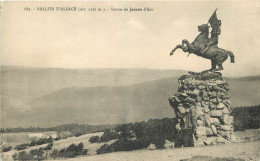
x=127, y=39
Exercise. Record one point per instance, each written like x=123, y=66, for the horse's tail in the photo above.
x=232, y=57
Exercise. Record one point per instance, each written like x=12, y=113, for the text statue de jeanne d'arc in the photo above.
x=202, y=105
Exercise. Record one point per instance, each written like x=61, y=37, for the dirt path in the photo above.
x=248, y=151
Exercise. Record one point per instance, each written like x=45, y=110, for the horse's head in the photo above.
x=203, y=28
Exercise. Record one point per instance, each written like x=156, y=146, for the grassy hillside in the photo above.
x=120, y=104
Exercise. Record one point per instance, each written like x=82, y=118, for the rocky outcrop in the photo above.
x=209, y=93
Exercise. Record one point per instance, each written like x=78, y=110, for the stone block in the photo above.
x=199, y=142
x=220, y=106
x=225, y=134
x=151, y=147
x=197, y=83
x=200, y=123
x=185, y=87
x=201, y=117
x=214, y=121
x=212, y=94
x=214, y=129
x=198, y=104
x=168, y=144
x=204, y=94
x=182, y=109
x=227, y=103
x=220, y=94
x=206, y=109
x=201, y=131
x=214, y=100
x=204, y=104
x=224, y=101
x=225, y=96
x=209, y=131
x=205, y=98
x=225, y=127
x=210, y=87
x=226, y=110
x=216, y=113
x=199, y=111
x=226, y=87
x=221, y=140
x=198, y=99
x=190, y=101
x=227, y=119
x=201, y=87
x=208, y=121
x=212, y=106
x=231, y=119
x=219, y=100
x=177, y=99
x=196, y=92
x=210, y=140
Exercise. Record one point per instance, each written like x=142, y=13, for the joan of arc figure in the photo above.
x=215, y=32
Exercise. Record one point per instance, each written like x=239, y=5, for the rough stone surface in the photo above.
x=168, y=144
x=151, y=147
x=209, y=93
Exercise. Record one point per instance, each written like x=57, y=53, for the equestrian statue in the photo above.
x=208, y=47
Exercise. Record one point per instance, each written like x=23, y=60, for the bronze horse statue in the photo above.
x=214, y=53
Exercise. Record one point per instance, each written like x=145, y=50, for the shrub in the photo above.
x=49, y=146
x=55, y=154
x=41, y=141
x=35, y=154
x=246, y=118
x=6, y=149
x=78, y=134
x=23, y=156
x=14, y=156
x=21, y=146
x=127, y=145
x=123, y=144
x=70, y=152
x=105, y=149
x=94, y=139
x=142, y=133
x=57, y=138
x=108, y=135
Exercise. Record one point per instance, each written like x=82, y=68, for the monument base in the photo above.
x=209, y=94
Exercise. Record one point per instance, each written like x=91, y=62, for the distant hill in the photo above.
x=101, y=105
x=119, y=104
x=20, y=85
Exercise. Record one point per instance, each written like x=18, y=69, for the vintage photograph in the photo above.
x=130, y=80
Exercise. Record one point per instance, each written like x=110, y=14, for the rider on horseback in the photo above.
x=215, y=32
x=209, y=46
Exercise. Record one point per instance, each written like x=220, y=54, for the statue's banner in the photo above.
x=213, y=20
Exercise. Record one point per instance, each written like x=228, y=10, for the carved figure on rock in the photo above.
x=205, y=47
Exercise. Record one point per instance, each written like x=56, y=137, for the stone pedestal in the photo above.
x=209, y=93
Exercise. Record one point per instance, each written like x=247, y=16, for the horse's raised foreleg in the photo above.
x=188, y=46
x=173, y=50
